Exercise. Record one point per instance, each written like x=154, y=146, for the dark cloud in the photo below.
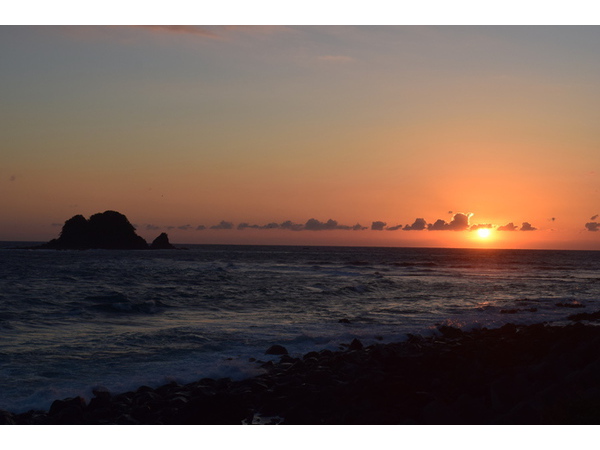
x=594, y=217
x=223, y=225
x=418, y=225
x=12, y=178
x=438, y=225
x=269, y=226
x=200, y=228
x=508, y=227
x=151, y=227
x=317, y=225
x=185, y=227
x=394, y=228
x=459, y=222
x=480, y=225
x=378, y=225
x=593, y=226
x=289, y=225
x=527, y=227
x=310, y=225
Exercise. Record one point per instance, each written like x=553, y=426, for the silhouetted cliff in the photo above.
x=107, y=230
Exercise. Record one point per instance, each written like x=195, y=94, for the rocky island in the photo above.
x=107, y=230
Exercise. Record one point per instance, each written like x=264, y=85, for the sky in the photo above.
x=305, y=135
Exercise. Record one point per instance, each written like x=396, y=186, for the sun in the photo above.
x=484, y=233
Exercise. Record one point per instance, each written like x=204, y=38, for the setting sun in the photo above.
x=484, y=233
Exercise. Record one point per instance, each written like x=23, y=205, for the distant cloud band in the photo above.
x=459, y=222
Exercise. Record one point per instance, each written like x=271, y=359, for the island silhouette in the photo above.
x=107, y=230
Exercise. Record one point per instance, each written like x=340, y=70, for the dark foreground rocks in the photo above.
x=533, y=374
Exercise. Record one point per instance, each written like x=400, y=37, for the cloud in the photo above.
x=480, y=225
x=508, y=227
x=459, y=222
x=185, y=227
x=223, y=225
x=289, y=225
x=200, y=228
x=394, y=228
x=317, y=225
x=151, y=227
x=418, y=225
x=439, y=225
x=12, y=178
x=269, y=226
x=181, y=29
x=378, y=225
x=310, y=225
x=593, y=226
x=336, y=59
x=594, y=217
x=527, y=227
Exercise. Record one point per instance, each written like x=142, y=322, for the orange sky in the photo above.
x=185, y=127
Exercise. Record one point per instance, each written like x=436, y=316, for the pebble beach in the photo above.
x=512, y=375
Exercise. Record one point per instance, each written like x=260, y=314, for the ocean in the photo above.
x=73, y=321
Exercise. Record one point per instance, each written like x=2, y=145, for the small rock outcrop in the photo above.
x=107, y=230
x=162, y=243
x=276, y=350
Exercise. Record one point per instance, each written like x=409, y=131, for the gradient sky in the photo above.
x=187, y=127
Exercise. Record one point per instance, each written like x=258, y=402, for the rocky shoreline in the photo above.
x=534, y=374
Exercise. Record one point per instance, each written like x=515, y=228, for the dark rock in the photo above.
x=107, y=230
x=102, y=399
x=276, y=350
x=7, y=418
x=585, y=316
x=59, y=405
x=509, y=328
x=311, y=355
x=162, y=243
x=68, y=411
x=355, y=345
x=450, y=332
x=287, y=359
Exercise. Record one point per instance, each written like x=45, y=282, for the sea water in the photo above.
x=72, y=321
